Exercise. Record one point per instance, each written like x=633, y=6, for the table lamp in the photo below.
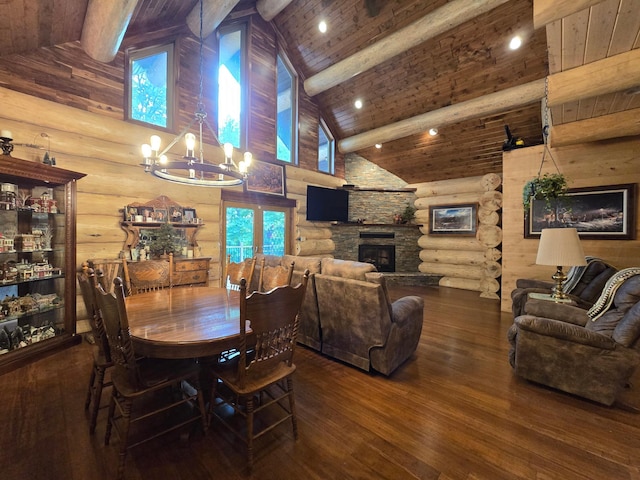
x=560, y=247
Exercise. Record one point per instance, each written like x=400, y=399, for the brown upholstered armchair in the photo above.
x=584, y=285
x=360, y=325
x=587, y=353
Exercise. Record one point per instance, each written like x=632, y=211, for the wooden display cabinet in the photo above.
x=37, y=260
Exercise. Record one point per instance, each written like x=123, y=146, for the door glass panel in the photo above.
x=239, y=233
x=273, y=232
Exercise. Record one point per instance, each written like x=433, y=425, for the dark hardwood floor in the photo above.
x=453, y=411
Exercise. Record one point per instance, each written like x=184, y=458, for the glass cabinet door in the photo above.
x=32, y=259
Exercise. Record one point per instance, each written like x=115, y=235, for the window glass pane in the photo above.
x=285, y=119
x=230, y=87
x=239, y=233
x=149, y=96
x=273, y=228
x=325, y=149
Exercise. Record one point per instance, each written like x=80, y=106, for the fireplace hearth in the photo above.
x=382, y=256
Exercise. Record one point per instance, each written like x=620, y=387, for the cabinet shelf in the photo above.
x=158, y=224
x=30, y=280
x=23, y=315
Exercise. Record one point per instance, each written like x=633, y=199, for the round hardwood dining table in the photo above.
x=184, y=322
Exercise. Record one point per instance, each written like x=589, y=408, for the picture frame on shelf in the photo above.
x=265, y=177
x=130, y=213
x=459, y=220
x=604, y=212
x=188, y=215
x=175, y=215
x=160, y=215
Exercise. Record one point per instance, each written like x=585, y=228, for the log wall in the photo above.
x=470, y=263
x=587, y=165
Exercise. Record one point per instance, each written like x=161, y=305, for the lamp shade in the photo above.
x=560, y=247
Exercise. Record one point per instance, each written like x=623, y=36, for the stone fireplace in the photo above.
x=382, y=256
x=392, y=248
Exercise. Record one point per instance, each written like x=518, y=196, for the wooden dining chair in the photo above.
x=101, y=354
x=110, y=268
x=274, y=276
x=264, y=366
x=176, y=381
x=147, y=275
x=236, y=271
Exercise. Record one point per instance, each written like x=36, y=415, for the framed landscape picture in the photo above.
x=266, y=177
x=453, y=219
x=601, y=213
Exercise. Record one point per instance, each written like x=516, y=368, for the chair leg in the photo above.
x=126, y=422
x=202, y=405
x=97, y=397
x=112, y=409
x=249, y=413
x=292, y=407
x=212, y=401
x=92, y=380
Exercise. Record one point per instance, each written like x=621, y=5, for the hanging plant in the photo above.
x=548, y=188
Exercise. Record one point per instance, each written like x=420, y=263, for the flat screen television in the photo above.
x=327, y=204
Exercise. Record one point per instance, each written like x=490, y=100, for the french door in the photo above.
x=251, y=229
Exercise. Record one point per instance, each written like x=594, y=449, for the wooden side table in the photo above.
x=549, y=298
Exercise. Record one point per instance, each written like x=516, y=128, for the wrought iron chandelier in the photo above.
x=192, y=169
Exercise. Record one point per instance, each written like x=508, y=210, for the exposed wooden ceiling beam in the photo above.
x=439, y=21
x=476, y=108
x=547, y=11
x=213, y=13
x=612, y=74
x=268, y=9
x=621, y=124
x=104, y=26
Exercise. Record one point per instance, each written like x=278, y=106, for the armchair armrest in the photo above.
x=565, y=331
x=558, y=311
x=407, y=309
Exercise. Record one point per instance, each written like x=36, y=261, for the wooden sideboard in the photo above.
x=191, y=271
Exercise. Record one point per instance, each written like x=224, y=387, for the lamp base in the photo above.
x=559, y=278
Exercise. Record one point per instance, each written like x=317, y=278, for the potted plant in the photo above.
x=548, y=188
x=167, y=241
x=408, y=214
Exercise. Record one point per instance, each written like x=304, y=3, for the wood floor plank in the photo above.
x=454, y=411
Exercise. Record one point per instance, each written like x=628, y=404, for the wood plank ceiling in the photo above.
x=459, y=64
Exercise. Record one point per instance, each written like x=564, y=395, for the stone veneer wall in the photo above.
x=374, y=205
x=347, y=240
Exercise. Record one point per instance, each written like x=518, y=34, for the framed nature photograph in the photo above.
x=267, y=178
x=601, y=213
x=453, y=219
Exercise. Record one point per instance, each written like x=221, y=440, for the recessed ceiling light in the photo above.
x=322, y=26
x=515, y=42
x=433, y=132
x=358, y=103
x=378, y=146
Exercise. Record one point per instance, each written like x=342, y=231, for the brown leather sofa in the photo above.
x=347, y=313
x=587, y=353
